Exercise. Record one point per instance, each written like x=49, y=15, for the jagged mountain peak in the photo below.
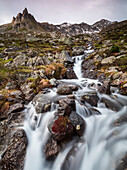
x=25, y=11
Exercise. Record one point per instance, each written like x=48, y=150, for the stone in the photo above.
x=20, y=60
x=64, y=90
x=105, y=88
x=1, y=97
x=78, y=123
x=91, y=98
x=70, y=73
x=27, y=91
x=61, y=128
x=10, y=86
x=66, y=106
x=122, y=164
x=108, y=60
x=111, y=105
x=15, y=108
x=51, y=149
x=36, y=61
x=43, y=107
x=74, y=156
x=14, y=155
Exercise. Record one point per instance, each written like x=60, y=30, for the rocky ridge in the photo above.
x=25, y=21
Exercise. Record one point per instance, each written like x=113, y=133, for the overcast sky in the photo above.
x=59, y=11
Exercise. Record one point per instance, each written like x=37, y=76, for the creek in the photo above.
x=102, y=144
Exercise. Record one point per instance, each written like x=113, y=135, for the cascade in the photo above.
x=102, y=144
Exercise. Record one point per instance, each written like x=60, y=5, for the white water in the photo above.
x=104, y=144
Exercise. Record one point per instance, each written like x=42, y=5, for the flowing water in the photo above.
x=102, y=144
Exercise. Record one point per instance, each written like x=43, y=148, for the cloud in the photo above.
x=58, y=11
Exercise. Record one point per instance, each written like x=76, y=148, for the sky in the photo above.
x=71, y=11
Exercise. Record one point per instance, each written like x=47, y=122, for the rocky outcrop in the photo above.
x=26, y=21
x=14, y=155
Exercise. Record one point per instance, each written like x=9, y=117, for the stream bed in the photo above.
x=104, y=141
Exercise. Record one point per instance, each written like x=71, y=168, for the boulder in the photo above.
x=122, y=164
x=66, y=106
x=14, y=155
x=74, y=156
x=78, y=123
x=70, y=73
x=108, y=60
x=105, y=88
x=27, y=91
x=66, y=89
x=51, y=149
x=42, y=103
x=53, y=82
x=17, y=94
x=36, y=61
x=15, y=108
x=61, y=128
x=111, y=104
x=42, y=107
x=91, y=98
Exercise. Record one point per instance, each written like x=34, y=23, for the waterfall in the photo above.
x=103, y=143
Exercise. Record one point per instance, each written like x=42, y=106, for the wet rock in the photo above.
x=42, y=103
x=14, y=155
x=105, y=88
x=89, y=69
x=64, y=90
x=61, y=128
x=111, y=104
x=66, y=106
x=78, y=123
x=70, y=73
x=122, y=164
x=91, y=98
x=74, y=157
x=51, y=149
x=43, y=107
x=123, y=91
x=67, y=89
x=120, y=121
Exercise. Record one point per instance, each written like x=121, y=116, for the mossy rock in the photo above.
x=121, y=60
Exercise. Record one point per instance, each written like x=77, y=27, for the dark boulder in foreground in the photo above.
x=14, y=155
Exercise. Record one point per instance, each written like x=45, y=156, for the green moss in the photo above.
x=31, y=79
x=114, y=49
